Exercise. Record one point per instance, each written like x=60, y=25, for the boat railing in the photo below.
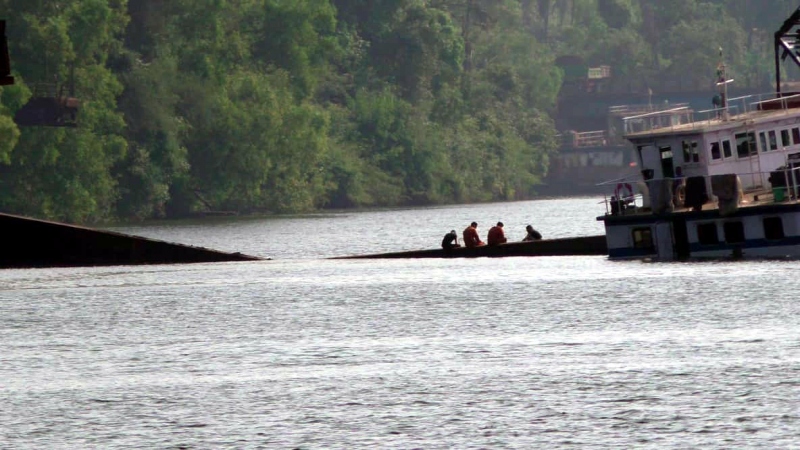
x=583, y=139
x=685, y=117
x=663, y=119
x=632, y=195
x=638, y=109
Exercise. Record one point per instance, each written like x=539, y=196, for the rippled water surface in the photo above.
x=303, y=352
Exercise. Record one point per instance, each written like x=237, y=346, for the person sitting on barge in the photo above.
x=471, y=238
x=450, y=240
x=496, y=235
x=532, y=235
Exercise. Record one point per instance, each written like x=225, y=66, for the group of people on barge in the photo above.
x=496, y=236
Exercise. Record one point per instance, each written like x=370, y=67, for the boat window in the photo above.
x=715, y=153
x=773, y=228
x=707, y=233
x=796, y=135
x=762, y=139
x=726, y=149
x=690, y=153
x=745, y=144
x=642, y=238
x=773, y=140
x=667, y=163
x=734, y=232
x=785, y=142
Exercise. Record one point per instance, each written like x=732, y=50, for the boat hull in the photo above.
x=768, y=231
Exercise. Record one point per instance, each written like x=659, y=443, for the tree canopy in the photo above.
x=296, y=105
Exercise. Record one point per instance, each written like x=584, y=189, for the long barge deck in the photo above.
x=573, y=246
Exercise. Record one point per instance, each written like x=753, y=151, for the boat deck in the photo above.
x=754, y=197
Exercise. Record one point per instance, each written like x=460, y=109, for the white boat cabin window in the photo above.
x=773, y=228
x=643, y=238
x=734, y=232
x=707, y=233
x=716, y=154
x=720, y=150
x=785, y=142
x=745, y=144
x=796, y=136
x=726, y=149
x=768, y=140
x=690, y=153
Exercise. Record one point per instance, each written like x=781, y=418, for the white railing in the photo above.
x=684, y=117
x=637, y=109
x=627, y=195
x=582, y=139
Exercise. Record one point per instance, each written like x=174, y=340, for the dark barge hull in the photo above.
x=576, y=246
x=29, y=243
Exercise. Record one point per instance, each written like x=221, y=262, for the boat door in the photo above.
x=664, y=246
x=667, y=162
x=681, y=234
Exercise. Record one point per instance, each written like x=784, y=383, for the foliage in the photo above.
x=294, y=105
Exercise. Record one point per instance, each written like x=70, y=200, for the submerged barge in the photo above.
x=574, y=246
x=29, y=243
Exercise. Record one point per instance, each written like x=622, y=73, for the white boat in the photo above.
x=717, y=183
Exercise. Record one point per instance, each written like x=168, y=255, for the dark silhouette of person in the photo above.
x=532, y=235
x=450, y=240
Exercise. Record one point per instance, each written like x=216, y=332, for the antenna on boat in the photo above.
x=722, y=83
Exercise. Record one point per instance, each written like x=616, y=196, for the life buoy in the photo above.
x=623, y=188
x=679, y=196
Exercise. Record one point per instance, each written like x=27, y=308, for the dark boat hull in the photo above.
x=586, y=245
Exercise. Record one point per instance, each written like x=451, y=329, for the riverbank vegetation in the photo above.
x=296, y=105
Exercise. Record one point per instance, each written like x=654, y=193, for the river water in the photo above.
x=305, y=352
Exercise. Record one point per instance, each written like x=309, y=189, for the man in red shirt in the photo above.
x=470, y=234
x=496, y=235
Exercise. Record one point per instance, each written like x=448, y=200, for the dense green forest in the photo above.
x=296, y=105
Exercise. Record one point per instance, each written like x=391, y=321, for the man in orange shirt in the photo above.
x=496, y=235
x=471, y=238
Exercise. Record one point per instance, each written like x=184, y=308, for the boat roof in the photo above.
x=741, y=111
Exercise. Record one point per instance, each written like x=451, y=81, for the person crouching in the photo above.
x=450, y=240
x=496, y=235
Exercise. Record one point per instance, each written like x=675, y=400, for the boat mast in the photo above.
x=722, y=83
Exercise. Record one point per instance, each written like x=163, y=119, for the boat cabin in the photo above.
x=716, y=183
